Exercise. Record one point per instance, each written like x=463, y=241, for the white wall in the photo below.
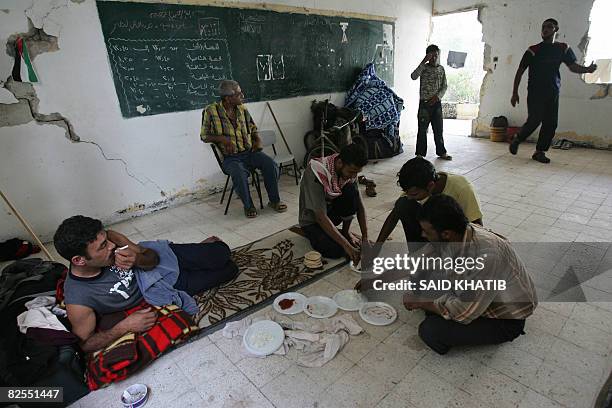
x=49, y=178
x=509, y=27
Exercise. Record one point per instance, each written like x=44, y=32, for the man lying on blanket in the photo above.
x=109, y=273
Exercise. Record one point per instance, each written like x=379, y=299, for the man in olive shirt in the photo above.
x=419, y=181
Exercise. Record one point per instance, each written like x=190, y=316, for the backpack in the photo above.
x=379, y=147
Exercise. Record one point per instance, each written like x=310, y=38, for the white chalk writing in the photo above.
x=168, y=74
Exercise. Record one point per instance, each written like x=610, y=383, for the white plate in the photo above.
x=298, y=305
x=378, y=319
x=321, y=307
x=349, y=300
x=356, y=269
x=263, y=337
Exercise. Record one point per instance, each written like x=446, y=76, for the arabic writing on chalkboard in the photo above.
x=171, y=57
x=175, y=72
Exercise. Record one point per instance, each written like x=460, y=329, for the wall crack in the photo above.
x=125, y=166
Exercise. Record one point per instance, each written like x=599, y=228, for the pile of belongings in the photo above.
x=36, y=346
x=16, y=248
x=382, y=109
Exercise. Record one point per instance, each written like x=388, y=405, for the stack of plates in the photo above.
x=312, y=260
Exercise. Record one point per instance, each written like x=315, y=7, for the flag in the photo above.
x=23, y=70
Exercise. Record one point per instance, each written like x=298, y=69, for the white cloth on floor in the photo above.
x=40, y=317
x=46, y=302
x=238, y=328
x=318, y=341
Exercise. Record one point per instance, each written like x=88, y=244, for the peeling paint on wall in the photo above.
x=27, y=110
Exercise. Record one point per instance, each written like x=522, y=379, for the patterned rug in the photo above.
x=272, y=265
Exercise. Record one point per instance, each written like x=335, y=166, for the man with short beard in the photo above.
x=478, y=317
x=108, y=272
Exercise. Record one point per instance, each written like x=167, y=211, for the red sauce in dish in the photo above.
x=286, y=303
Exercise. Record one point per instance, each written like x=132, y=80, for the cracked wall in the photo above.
x=509, y=27
x=67, y=150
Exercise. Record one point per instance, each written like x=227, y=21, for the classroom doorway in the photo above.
x=459, y=36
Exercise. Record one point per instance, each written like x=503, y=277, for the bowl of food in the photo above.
x=289, y=303
x=378, y=313
x=263, y=337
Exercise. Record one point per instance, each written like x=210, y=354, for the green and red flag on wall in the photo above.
x=23, y=70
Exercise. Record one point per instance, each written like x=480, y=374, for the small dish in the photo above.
x=297, y=299
x=263, y=338
x=378, y=313
x=320, y=307
x=349, y=300
x=356, y=269
x=135, y=396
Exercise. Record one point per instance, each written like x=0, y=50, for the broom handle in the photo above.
x=26, y=226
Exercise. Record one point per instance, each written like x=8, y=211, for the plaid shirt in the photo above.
x=216, y=122
x=518, y=301
x=433, y=81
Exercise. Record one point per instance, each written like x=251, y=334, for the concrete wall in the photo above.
x=509, y=27
x=65, y=148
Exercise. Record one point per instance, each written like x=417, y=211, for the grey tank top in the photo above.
x=113, y=290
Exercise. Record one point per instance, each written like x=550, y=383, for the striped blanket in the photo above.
x=132, y=352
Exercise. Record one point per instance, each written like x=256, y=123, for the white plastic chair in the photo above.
x=268, y=138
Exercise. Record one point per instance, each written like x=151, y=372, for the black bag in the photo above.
x=499, y=122
x=379, y=146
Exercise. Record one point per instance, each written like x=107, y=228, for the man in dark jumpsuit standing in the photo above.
x=543, y=61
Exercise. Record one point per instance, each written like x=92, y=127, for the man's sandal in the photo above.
x=250, y=212
x=365, y=181
x=278, y=207
x=371, y=190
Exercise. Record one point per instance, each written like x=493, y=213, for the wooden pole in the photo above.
x=26, y=226
x=279, y=128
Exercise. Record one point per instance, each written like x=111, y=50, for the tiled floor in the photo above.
x=561, y=362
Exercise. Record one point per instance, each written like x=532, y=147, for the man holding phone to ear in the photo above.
x=543, y=61
x=432, y=89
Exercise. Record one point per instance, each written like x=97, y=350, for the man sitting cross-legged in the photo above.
x=328, y=197
x=109, y=273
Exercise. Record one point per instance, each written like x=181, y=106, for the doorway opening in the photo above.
x=459, y=37
x=598, y=48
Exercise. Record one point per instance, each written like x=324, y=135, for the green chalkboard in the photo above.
x=170, y=57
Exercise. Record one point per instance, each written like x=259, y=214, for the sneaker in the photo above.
x=446, y=157
x=514, y=146
x=541, y=157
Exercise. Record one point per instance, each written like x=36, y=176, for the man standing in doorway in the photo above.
x=432, y=89
x=543, y=61
x=229, y=125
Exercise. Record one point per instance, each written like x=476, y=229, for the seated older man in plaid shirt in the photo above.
x=229, y=125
